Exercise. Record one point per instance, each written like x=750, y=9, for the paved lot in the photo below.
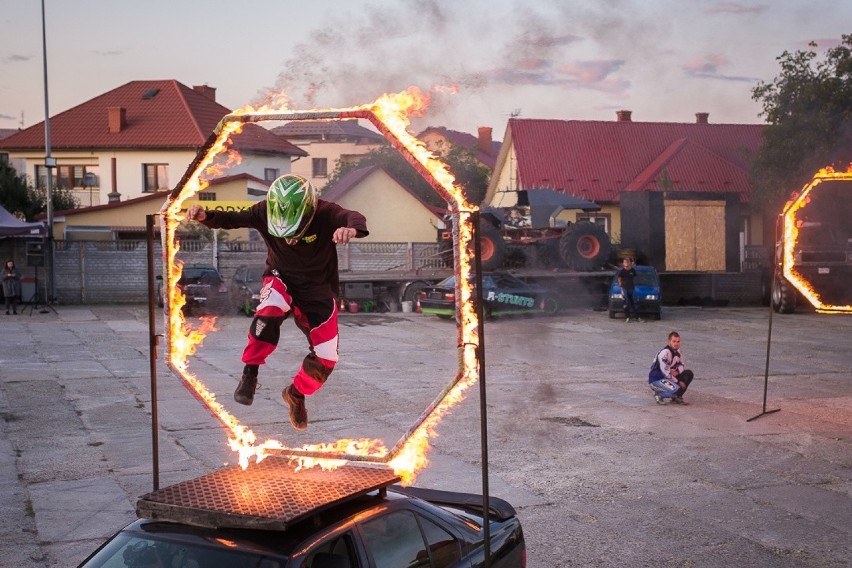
x=600, y=474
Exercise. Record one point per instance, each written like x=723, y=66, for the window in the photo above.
x=599, y=219
x=443, y=547
x=206, y=196
x=319, y=167
x=332, y=553
x=395, y=541
x=4, y=158
x=270, y=174
x=156, y=177
x=69, y=177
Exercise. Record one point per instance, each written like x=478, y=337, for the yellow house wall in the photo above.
x=132, y=214
x=393, y=214
x=331, y=151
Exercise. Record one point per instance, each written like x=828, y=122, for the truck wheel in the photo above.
x=783, y=296
x=412, y=289
x=585, y=246
x=492, y=245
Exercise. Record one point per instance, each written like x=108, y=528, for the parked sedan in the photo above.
x=400, y=527
x=203, y=287
x=502, y=294
x=245, y=287
x=647, y=293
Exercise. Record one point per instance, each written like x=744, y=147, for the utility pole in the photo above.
x=49, y=164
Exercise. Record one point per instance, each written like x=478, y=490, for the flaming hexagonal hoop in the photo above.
x=816, y=257
x=389, y=115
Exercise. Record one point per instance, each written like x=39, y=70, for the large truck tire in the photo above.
x=492, y=245
x=765, y=287
x=783, y=296
x=585, y=246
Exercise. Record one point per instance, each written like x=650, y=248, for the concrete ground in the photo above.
x=599, y=473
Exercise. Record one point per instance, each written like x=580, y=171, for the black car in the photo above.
x=647, y=293
x=203, y=287
x=390, y=527
x=245, y=287
x=502, y=294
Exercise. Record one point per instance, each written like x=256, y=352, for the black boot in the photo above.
x=296, y=401
x=248, y=383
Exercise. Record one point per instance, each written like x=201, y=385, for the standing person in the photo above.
x=668, y=377
x=11, y=286
x=301, y=279
x=626, y=281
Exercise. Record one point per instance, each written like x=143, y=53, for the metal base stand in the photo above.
x=764, y=412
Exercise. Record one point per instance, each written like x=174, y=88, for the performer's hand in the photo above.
x=343, y=235
x=197, y=213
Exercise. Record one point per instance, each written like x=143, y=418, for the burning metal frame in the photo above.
x=793, y=216
x=389, y=114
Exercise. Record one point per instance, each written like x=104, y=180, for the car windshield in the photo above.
x=255, y=273
x=646, y=278
x=643, y=278
x=142, y=551
x=199, y=275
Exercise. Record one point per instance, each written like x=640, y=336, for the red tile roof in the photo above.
x=469, y=141
x=597, y=160
x=159, y=115
x=348, y=129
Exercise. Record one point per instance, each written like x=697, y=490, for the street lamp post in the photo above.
x=49, y=164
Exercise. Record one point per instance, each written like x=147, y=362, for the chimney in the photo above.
x=484, y=144
x=209, y=92
x=623, y=115
x=117, y=118
x=701, y=117
x=114, y=195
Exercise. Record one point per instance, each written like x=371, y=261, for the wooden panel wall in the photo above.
x=695, y=235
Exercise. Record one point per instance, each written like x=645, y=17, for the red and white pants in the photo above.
x=316, y=318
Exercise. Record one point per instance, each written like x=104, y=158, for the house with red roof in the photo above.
x=139, y=139
x=675, y=192
x=327, y=143
x=439, y=140
x=394, y=212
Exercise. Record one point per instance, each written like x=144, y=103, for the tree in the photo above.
x=470, y=175
x=808, y=108
x=21, y=199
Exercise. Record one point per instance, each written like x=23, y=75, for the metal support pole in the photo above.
x=152, y=351
x=769, y=337
x=480, y=357
x=49, y=164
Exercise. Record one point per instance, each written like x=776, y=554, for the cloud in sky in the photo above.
x=8, y=117
x=708, y=67
x=735, y=8
x=16, y=58
x=108, y=53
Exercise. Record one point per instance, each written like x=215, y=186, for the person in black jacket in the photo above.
x=11, y=286
x=301, y=278
x=626, y=276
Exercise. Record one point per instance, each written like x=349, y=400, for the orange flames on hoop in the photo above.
x=390, y=114
x=791, y=225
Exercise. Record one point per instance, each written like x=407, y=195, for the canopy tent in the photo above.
x=11, y=226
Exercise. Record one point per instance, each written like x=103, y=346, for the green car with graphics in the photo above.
x=502, y=293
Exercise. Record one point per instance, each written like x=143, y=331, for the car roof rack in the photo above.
x=270, y=495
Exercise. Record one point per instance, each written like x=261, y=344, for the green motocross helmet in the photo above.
x=290, y=205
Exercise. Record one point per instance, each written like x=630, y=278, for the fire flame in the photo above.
x=791, y=234
x=390, y=113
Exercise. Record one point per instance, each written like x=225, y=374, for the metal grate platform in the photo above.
x=270, y=495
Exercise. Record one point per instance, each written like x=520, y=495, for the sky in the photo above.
x=484, y=60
